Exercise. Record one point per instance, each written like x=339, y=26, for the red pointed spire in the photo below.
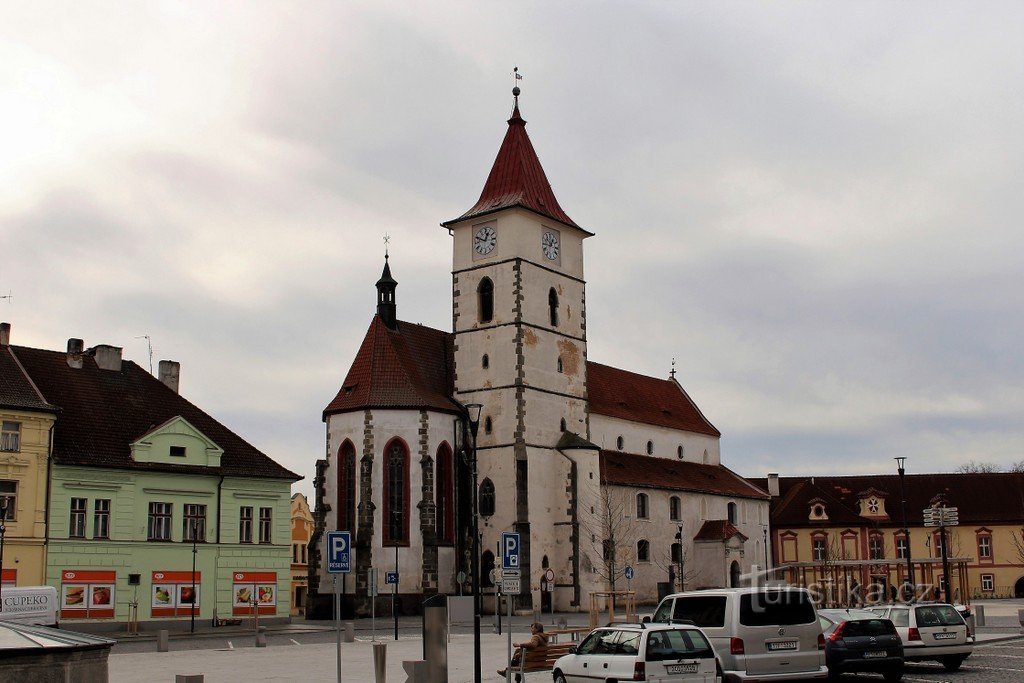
x=517, y=179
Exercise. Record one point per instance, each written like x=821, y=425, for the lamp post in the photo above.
x=195, y=549
x=4, y=502
x=900, y=462
x=473, y=415
x=679, y=540
x=767, y=564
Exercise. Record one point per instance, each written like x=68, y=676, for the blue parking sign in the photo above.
x=510, y=550
x=339, y=552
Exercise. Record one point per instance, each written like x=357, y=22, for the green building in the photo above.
x=142, y=482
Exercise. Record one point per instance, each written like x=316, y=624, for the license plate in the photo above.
x=944, y=636
x=681, y=669
x=783, y=645
x=874, y=654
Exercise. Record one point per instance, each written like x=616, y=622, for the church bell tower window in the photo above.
x=486, y=502
x=553, y=307
x=485, y=295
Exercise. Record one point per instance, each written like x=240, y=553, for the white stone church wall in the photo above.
x=605, y=431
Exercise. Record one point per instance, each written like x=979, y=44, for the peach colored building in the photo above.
x=302, y=529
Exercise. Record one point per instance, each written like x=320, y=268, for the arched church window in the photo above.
x=641, y=506
x=486, y=503
x=347, y=486
x=553, y=307
x=485, y=362
x=732, y=513
x=560, y=366
x=561, y=425
x=444, y=483
x=650, y=448
x=679, y=452
x=620, y=443
x=487, y=425
x=396, y=493
x=674, y=509
x=734, y=574
x=485, y=296
x=643, y=550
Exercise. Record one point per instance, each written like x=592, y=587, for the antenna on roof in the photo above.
x=7, y=296
x=149, y=345
x=672, y=373
x=516, y=77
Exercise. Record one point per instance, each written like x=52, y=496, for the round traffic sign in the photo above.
x=629, y=573
x=549, y=574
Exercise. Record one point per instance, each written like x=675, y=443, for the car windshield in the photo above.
x=673, y=644
x=938, y=615
x=701, y=610
x=776, y=608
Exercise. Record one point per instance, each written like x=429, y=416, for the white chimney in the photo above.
x=75, y=347
x=5, y=334
x=169, y=373
x=108, y=357
x=773, y=484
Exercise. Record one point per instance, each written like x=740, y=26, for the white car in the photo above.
x=640, y=652
x=931, y=631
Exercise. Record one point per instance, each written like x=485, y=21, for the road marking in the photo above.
x=996, y=654
x=991, y=668
x=925, y=680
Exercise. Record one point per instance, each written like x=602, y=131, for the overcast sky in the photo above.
x=815, y=208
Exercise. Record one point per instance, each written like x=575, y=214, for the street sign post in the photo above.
x=510, y=550
x=339, y=552
x=629, y=577
x=390, y=577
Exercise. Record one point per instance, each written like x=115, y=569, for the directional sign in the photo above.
x=941, y=517
x=390, y=577
x=339, y=552
x=510, y=550
x=511, y=585
x=629, y=573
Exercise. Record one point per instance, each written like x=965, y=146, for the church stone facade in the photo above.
x=597, y=468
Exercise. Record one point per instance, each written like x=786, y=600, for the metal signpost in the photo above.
x=371, y=591
x=629, y=577
x=510, y=582
x=339, y=561
x=942, y=517
x=549, y=586
x=392, y=578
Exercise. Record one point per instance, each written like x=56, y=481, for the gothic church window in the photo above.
x=444, y=484
x=485, y=296
x=486, y=503
x=347, y=486
x=396, y=493
x=553, y=307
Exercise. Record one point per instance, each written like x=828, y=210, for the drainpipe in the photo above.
x=49, y=476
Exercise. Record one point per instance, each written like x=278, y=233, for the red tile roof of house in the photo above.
x=517, y=179
x=408, y=367
x=101, y=412
x=16, y=389
x=717, y=530
x=982, y=498
x=639, y=398
x=628, y=469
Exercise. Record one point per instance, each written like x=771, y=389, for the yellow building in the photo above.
x=302, y=529
x=837, y=526
x=26, y=421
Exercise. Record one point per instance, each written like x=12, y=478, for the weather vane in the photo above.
x=516, y=77
x=387, y=240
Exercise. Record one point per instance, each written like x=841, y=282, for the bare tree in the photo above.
x=670, y=564
x=1017, y=466
x=977, y=466
x=610, y=533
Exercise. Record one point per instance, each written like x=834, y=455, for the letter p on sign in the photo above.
x=509, y=550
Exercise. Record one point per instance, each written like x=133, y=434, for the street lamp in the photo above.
x=679, y=541
x=4, y=502
x=473, y=415
x=900, y=462
x=764, y=530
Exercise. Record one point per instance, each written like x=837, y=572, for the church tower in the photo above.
x=520, y=348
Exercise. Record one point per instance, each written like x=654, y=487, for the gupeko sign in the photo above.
x=30, y=605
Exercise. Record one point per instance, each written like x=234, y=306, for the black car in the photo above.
x=858, y=640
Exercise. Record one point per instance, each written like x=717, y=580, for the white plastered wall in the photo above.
x=605, y=430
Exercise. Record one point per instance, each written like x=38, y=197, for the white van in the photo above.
x=35, y=605
x=759, y=633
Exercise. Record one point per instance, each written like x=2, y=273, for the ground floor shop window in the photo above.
x=173, y=594
x=87, y=594
x=251, y=590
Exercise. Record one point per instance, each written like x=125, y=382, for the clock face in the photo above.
x=549, y=244
x=484, y=240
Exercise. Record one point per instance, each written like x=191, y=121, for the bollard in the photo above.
x=380, y=662
x=261, y=636
x=189, y=678
x=163, y=638
x=350, y=632
x=979, y=614
x=415, y=671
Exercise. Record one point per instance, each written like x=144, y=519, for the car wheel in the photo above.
x=952, y=663
x=893, y=675
x=834, y=673
x=559, y=677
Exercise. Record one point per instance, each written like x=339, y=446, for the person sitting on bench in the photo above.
x=537, y=639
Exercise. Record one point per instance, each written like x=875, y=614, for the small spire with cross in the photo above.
x=672, y=373
x=516, y=77
x=387, y=240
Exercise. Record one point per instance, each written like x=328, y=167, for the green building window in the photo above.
x=266, y=522
x=77, y=528
x=245, y=524
x=159, y=522
x=194, y=528
x=101, y=518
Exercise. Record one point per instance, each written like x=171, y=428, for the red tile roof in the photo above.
x=639, y=398
x=982, y=498
x=717, y=530
x=517, y=179
x=101, y=412
x=408, y=367
x=16, y=389
x=627, y=469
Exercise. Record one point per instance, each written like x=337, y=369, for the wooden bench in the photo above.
x=541, y=659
